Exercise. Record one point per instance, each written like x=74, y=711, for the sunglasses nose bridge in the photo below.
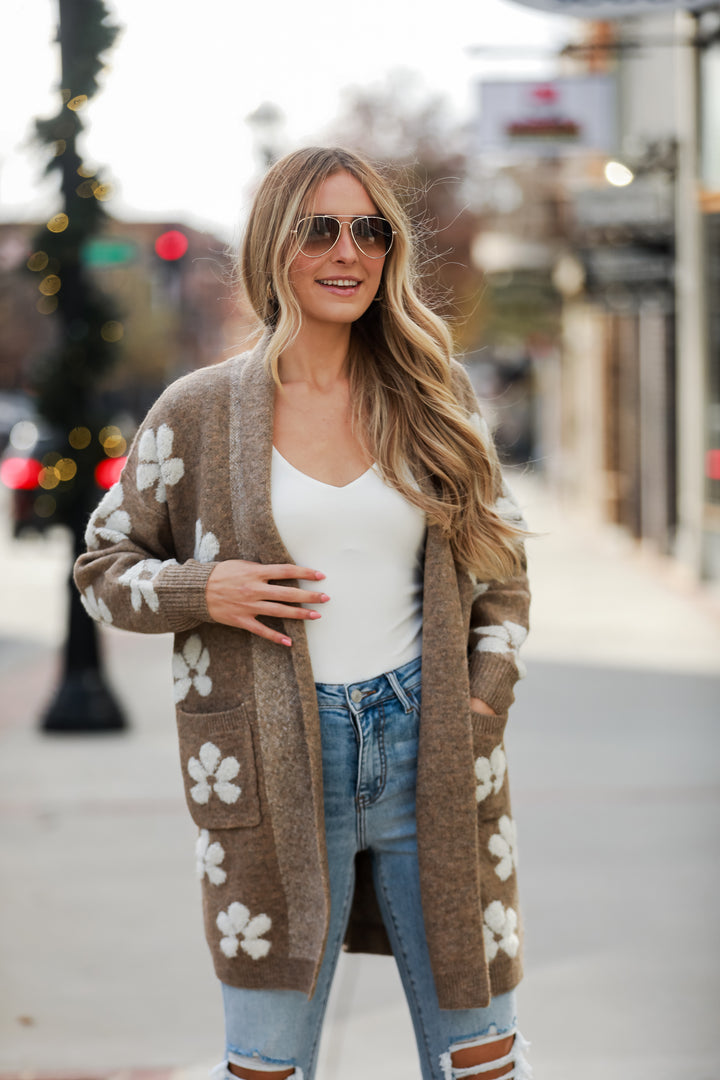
x=350, y=243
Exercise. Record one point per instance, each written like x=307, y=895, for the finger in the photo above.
x=288, y=570
x=263, y=631
x=285, y=611
x=284, y=594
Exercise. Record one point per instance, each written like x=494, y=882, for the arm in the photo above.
x=150, y=567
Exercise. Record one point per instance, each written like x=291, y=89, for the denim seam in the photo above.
x=406, y=966
x=382, y=753
x=318, y=1032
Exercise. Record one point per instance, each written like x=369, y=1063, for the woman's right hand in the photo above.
x=238, y=591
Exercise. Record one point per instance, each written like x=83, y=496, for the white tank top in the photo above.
x=368, y=541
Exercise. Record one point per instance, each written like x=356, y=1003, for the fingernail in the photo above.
x=319, y=576
x=315, y=615
x=324, y=597
x=286, y=641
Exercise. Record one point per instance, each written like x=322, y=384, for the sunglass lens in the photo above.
x=373, y=235
x=316, y=235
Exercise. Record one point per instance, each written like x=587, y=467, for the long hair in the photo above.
x=404, y=409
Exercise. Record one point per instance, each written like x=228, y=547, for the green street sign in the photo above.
x=108, y=251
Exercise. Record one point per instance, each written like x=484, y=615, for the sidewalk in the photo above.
x=613, y=747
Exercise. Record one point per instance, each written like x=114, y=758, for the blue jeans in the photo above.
x=369, y=744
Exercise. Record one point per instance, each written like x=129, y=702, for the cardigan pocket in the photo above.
x=491, y=787
x=219, y=771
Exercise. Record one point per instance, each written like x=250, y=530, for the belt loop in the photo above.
x=399, y=691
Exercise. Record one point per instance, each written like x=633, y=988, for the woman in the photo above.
x=344, y=453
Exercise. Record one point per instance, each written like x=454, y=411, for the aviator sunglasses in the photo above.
x=318, y=234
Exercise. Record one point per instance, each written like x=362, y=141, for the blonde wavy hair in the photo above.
x=400, y=365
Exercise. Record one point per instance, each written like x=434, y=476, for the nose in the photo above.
x=345, y=249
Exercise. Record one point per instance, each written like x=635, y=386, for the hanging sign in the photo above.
x=548, y=117
x=614, y=9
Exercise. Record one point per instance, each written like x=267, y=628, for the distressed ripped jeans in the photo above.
x=369, y=744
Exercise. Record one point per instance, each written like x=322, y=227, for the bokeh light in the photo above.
x=112, y=441
x=20, y=474
x=24, y=435
x=112, y=331
x=79, y=438
x=66, y=469
x=618, y=174
x=107, y=472
x=58, y=223
x=44, y=506
x=37, y=261
x=50, y=285
x=78, y=102
x=47, y=304
x=49, y=478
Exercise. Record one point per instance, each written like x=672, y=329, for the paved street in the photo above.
x=614, y=752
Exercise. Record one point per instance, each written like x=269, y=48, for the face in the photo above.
x=340, y=286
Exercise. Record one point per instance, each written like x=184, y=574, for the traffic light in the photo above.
x=171, y=245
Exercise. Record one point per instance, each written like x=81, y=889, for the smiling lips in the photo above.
x=339, y=283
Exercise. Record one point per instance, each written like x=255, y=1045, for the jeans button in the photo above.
x=356, y=696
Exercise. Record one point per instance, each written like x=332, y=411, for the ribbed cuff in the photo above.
x=492, y=679
x=182, y=592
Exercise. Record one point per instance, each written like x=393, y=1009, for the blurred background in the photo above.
x=560, y=160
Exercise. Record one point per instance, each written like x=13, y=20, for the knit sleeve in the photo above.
x=138, y=572
x=499, y=616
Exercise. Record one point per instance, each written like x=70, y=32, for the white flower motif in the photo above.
x=490, y=773
x=480, y=423
x=207, y=545
x=500, y=930
x=156, y=466
x=479, y=587
x=108, y=521
x=95, y=606
x=507, y=507
x=212, y=766
x=503, y=639
x=189, y=668
x=209, y=856
x=235, y=922
x=141, y=580
x=503, y=845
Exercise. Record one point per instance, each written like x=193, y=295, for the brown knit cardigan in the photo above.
x=196, y=490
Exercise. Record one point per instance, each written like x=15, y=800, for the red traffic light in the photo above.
x=20, y=474
x=171, y=245
x=107, y=471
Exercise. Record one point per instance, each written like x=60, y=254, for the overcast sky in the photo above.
x=183, y=77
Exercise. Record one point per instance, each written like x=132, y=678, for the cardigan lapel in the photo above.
x=286, y=704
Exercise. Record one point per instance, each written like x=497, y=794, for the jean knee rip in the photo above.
x=254, y=1061
x=521, y=1069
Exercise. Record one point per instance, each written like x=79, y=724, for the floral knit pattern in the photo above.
x=503, y=846
x=503, y=639
x=95, y=606
x=189, y=667
x=500, y=930
x=239, y=930
x=490, y=773
x=108, y=522
x=156, y=465
x=207, y=546
x=140, y=578
x=213, y=773
x=208, y=858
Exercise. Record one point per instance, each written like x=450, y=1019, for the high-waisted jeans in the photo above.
x=369, y=745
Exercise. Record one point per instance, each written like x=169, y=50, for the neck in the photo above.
x=318, y=355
